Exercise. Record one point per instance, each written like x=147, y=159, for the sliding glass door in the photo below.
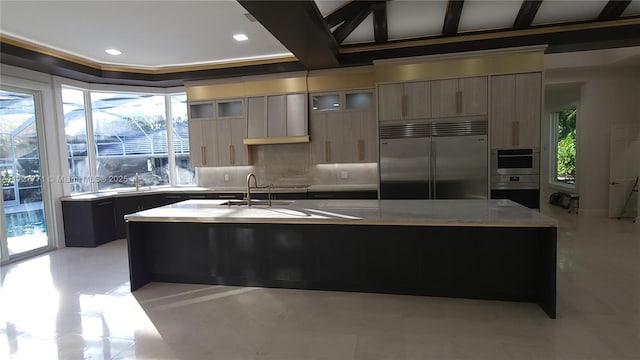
x=23, y=223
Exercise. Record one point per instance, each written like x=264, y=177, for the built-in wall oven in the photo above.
x=515, y=175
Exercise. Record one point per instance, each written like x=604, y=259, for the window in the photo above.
x=125, y=134
x=75, y=131
x=185, y=174
x=130, y=135
x=564, y=145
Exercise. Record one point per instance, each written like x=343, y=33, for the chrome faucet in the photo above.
x=255, y=184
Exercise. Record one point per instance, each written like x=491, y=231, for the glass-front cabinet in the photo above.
x=343, y=127
x=326, y=102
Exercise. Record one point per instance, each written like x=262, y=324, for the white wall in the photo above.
x=609, y=95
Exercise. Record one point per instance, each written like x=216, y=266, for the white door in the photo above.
x=624, y=165
x=24, y=227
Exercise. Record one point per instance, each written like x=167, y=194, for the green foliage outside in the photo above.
x=566, y=170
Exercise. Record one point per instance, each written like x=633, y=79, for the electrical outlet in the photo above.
x=344, y=175
x=226, y=177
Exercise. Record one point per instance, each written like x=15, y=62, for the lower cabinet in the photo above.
x=343, y=195
x=88, y=223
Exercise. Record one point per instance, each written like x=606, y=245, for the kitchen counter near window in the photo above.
x=479, y=249
x=280, y=189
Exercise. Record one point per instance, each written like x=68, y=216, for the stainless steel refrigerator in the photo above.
x=438, y=160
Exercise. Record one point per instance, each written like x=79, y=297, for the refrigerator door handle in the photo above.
x=432, y=175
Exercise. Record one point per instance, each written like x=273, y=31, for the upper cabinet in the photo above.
x=404, y=101
x=516, y=103
x=277, y=119
x=343, y=127
x=459, y=97
x=216, y=131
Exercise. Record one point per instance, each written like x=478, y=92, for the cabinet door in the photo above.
x=339, y=148
x=319, y=139
x=297, y=115
x=503, y=110
x=204, y=110
x=238, y=152
x=444, y=98
x=104, y=225
x=364, y=142
x=223, y=145
x=256, y=117
x=196, y=146
x=417, y=100
x=209, y=149
x=474, y=96
x=229, y=108
x=528, y=88
x=318, y=133
x=390, y=102
x=276, y=112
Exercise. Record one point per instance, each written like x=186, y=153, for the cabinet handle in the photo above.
x=105, y=203
x=232, y=155
x=458, y=102
x=361, y=150
x=203, y=150
x=327, y=151
x=515, y=133
x=405, y=105
x=227, y=197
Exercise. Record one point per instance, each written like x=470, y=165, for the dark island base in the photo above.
x=495, y=263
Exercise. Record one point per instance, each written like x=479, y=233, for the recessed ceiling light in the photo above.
x=113, y=52
x=240, y=37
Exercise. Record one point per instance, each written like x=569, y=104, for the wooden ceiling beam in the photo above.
x=452, y=17
x=299, y=26
x=380, y=22
x=527, y=13
x=613, y=9
x=351, y=24
x=348, y=11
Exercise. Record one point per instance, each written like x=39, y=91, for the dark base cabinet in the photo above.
x=498, y=263
x=528, y=198
x=344, y=195
x=88, y=223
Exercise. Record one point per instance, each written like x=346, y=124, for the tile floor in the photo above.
x=74, y=303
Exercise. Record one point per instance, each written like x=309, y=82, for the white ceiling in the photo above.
x=151, y=34
x=157, y=34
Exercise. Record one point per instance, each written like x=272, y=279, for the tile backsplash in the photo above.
x=287, y=165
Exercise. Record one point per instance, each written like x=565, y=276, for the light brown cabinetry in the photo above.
x=277, y=117
x=515, y=111
x=459, y=97
x=216, y=131
x=343, y=128
x=404, y=101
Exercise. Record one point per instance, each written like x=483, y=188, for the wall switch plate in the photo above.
x=344, y=175
x=226, y=177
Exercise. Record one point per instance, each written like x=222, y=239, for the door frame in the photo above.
x=39, y=91
x=630, y=133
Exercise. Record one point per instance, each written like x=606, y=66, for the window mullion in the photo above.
x=170, y=151
x=91, y=144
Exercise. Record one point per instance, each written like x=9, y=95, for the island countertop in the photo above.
x=503, y=213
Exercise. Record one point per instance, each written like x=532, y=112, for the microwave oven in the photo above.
x=515, y=162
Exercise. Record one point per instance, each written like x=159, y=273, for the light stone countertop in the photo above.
x=353, y=212
x=217, y=190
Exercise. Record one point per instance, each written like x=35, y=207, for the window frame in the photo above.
x=553, y=146
x=87, y=89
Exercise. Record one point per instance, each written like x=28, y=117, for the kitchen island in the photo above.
x=479, y=249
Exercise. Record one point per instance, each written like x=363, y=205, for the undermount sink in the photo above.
x=256, y=202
